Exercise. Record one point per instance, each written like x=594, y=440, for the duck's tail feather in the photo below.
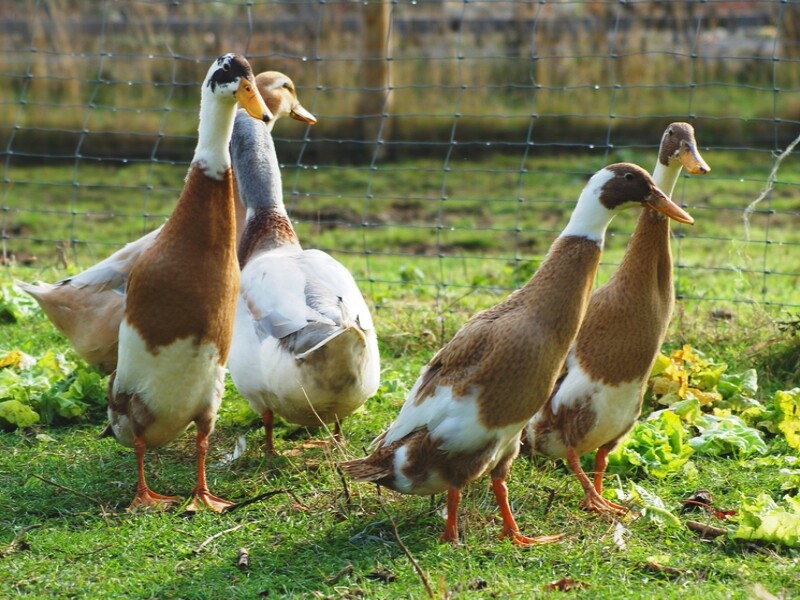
x=377, y=467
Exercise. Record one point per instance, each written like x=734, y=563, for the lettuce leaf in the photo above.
x=721, y=435
x=764, y=520
x=653, y=507
x=14, y=413
x=787, y=408
x=657, y=446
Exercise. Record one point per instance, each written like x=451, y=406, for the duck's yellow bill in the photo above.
x=252, y=102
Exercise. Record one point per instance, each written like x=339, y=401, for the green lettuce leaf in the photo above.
x=721, y=435
x=657, y=446
x=653, y=507
x=70, y=398
x=764, y=520
x=14, y=413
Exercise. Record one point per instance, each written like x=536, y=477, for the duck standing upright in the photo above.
x=598, y=396
x=87, y=307
x=181, y=297
x=463, y=417
x=304, y=345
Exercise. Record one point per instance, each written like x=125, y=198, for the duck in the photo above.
x=180, y=298
x=463, y=417
x=87, y=308
x=306, y=349
x=598, y=396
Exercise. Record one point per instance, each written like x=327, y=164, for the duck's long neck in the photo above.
x=214, y=133
x=258, y=177
x=649, y=257
x=590, y=218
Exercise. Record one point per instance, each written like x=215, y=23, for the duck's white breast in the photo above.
x=178, y=383
x=456, y=425
x=615, y=408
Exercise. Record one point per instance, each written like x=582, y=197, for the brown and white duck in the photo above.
x=463, y=417
x=181, y=297
x=598, y=396
x=304, y=344
x=87, y=308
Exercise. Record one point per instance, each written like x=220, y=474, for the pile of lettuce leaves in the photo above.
x=694, y=407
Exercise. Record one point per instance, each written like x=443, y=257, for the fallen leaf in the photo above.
x=651, y=565
x=565, y=584
x=382, y=575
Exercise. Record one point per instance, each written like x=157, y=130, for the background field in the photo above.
x=441, y=187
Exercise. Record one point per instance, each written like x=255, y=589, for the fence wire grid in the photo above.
x=452, y=139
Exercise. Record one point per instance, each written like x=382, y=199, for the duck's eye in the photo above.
x=226, y=66
x=670, y=132
x=287, y=86
x=629, y=176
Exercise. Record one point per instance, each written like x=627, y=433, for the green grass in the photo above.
x=64, y=530
x=483, y=223
x=71, y=489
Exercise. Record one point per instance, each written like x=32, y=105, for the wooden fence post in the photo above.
x=374, y=100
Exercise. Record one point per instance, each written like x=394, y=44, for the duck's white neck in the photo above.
x=590, y=218
x=214, y=132
x=666, y=176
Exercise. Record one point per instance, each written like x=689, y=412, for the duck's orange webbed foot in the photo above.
x=147, y=498
x=510, y=528
x=594, y=502
x=523, y=540
x=205, y=498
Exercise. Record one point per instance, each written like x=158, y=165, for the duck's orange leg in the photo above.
x=510, y=528
x=145, y=497
x=451, y=525
x=200, y=493
x=592, y=501
x=600, y=464
x=269, y=446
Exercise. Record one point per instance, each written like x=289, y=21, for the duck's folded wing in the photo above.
x=334, y=292
x=112, y=273
x=274, y=290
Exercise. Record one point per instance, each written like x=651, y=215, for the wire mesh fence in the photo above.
x=453, y=137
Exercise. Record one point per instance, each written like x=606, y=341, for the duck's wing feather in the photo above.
x=273, y=288
x=442, y=398
x=112, y=273
x=288, y=292
x=334, y=290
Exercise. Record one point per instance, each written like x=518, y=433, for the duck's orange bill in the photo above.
x=659, y=201
x=252, y=102
x=692, y=161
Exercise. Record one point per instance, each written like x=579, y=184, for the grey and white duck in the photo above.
x=304, y=343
